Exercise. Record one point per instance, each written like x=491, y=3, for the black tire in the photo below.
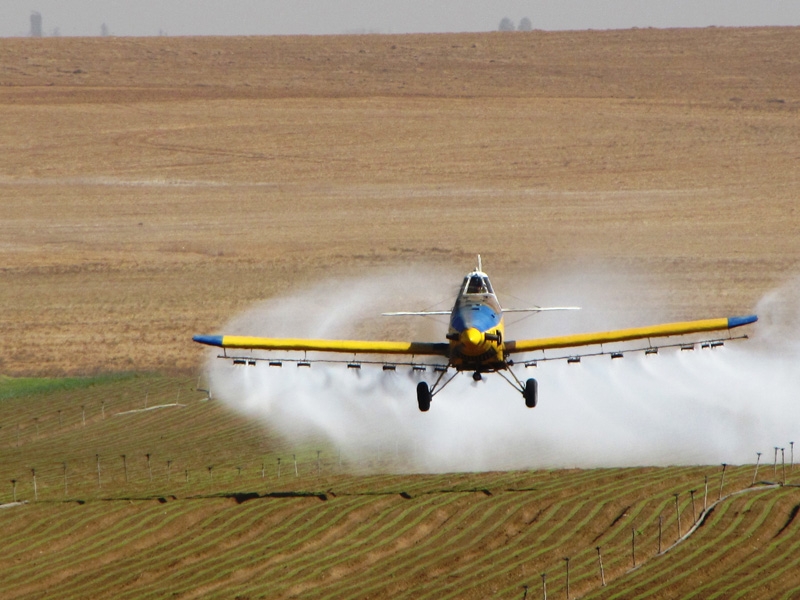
x=423, y=396
x=531, y=393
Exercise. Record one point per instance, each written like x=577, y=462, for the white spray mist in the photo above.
x=701, y=407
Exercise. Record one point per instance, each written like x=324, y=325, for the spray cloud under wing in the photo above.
x=699, y=407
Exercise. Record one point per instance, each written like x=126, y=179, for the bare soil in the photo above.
x=153, y=188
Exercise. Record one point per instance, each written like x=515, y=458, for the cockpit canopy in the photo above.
x=476, y=283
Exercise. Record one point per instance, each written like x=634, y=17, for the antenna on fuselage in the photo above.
x=480, y=268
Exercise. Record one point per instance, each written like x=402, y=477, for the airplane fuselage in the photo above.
x=476, y=331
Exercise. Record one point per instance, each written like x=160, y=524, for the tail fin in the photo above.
x=480, y=267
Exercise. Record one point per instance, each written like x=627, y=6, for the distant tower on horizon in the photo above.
x=36, y=24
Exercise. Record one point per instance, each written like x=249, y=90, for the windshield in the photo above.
x=477, y=284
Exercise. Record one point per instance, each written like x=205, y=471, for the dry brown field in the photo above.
x=152, y=188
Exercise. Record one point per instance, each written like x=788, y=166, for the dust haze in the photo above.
x=699, y=407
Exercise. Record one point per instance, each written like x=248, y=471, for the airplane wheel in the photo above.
x=423, y=396
x=531, y=393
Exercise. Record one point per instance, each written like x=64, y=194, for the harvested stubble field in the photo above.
x=153, y=188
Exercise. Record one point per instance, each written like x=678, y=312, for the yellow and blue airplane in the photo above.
x=475, y=342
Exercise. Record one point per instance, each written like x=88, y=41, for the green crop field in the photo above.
x=197, y=508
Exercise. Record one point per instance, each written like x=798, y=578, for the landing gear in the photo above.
x=423, y=396
x=531, y=393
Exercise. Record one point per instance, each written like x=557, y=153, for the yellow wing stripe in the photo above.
x=620, y=335
x=349, y=346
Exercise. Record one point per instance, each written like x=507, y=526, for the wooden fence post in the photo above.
x=602, y=572
x=678, y=513
x=660, y=530
x=722, y=481
x=544, y=586
x=633, y=545
x=35, y=490
x=14, y=488
x=566, y=559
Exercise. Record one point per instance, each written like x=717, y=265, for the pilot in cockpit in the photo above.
x=477, y=285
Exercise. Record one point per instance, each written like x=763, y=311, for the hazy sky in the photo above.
x=269, y=17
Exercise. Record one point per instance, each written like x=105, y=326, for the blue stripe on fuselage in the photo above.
x=479, y=316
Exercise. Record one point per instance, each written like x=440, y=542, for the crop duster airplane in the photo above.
x=475, y=341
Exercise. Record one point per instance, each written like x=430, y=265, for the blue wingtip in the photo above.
x=739, y=321
x=209, y=340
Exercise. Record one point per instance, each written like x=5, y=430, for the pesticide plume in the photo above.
x=700, y=407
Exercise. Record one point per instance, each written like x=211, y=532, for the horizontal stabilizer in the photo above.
x=540, y=309
x=423, y=313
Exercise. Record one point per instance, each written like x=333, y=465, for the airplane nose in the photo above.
x=472, y=337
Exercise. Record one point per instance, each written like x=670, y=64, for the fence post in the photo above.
x=633, y=546
x=783, y=466
x=99, y=480
x=35, y=490
x=678, y=513
x=775, y=463
x=566, y=559
x=755, y=474
x=14, y=488
x=694, y=510
x=602, y=572
x=705, y=496
x=660, y=530
x=544, y=586
x=722, y=481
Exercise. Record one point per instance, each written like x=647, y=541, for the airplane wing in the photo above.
x=346, y=346
x=622, y=335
